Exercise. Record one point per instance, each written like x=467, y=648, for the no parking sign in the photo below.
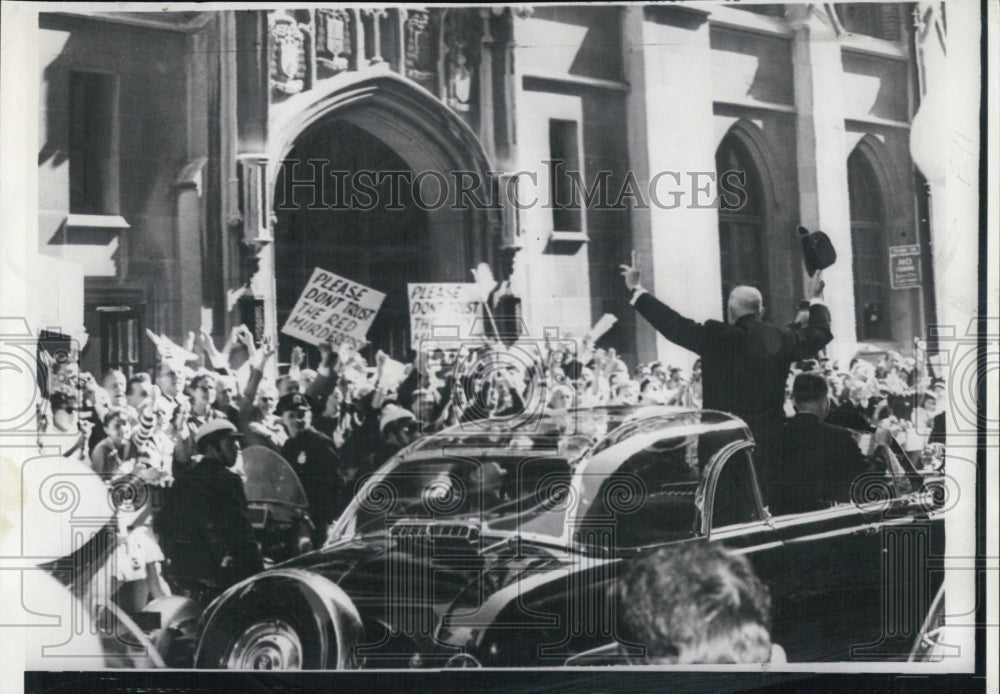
x=904, y=266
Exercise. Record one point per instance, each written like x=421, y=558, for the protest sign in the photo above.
x=333, y=310
x=443, y=305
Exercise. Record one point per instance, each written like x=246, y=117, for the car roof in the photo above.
x=571, y=432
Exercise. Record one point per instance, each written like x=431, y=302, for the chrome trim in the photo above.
x=270, y=644
x=712, y=472
x=339, y=610
x=462, y=660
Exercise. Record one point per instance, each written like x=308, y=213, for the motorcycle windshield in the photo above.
x=270, y=479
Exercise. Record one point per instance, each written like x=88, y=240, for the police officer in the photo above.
x=315, y=460
x=204, y=528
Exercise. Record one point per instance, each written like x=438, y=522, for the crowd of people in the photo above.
x=342, y=419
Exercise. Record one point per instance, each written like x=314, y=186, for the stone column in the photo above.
x=668, y=62
x=189, y=225
x=822, y=162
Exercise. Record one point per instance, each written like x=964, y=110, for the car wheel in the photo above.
x=266, y=630
x=267, y=644
x=284, y=619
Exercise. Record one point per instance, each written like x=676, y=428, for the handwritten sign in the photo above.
x=904, y=266
x=443, y=305
x=334, y=310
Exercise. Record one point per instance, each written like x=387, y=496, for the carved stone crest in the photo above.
x=461, y=46
x=420, y=58
x=333, y=39
x=288, y=59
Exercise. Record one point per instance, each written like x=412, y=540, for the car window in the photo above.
x=650, y=498
x=505, y=491
x=735, y=499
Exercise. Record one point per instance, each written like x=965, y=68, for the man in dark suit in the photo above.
x=745, y=361
x=203, y=526
x=820, y=461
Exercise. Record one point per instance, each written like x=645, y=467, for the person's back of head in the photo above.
x=744, y=301
x=694, y=603
x=811, y=393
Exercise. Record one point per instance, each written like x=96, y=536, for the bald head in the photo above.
x=744, y=301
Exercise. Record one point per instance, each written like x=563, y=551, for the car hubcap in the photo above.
x=270, y=645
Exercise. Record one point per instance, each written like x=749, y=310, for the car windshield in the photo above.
x=484, y=486
x=646, y=467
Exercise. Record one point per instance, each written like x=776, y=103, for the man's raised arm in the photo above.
x=805, y=341
x=672, y=325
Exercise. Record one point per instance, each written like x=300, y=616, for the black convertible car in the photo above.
x=498, y=545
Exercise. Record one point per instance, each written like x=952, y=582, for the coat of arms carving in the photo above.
x=288, y=59
x=420, y=47
x=333, y=39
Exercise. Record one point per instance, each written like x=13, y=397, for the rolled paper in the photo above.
x=601, y=327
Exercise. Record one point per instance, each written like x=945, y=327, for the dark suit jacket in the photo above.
x=315, y=460
x=818, y=465
x=744, y=365
x=203, y=520
x=938, y=429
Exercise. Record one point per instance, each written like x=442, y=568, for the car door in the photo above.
x=821, y=567
x=856, y=577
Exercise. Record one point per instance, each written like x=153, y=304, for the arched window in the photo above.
x=741, y=229
x=886, y=21
x=868, y=246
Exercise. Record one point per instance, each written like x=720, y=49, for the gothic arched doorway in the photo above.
x=384, y=247
x=354, y=138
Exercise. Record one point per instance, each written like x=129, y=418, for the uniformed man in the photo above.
x=315, y=459
x=204, y=528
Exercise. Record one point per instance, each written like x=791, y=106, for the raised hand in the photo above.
x=246, y=337
x=815, y=285
x=631, y=273
x=267, y=350
x=206, y=343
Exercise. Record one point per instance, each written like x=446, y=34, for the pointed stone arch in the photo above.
x=745, y=245
x=424, y=135
x=877, y=155
x=753, y=139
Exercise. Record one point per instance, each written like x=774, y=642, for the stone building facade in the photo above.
x=178, y=162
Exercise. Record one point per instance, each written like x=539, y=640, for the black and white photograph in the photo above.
x=575, y=346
